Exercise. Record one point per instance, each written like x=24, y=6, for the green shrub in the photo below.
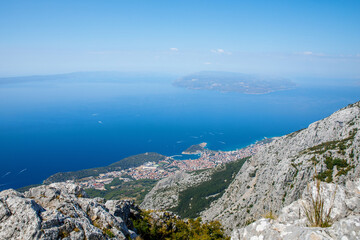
x=170, y=227
x=325, y=176
x=249, y=221
x=341, y=164
x=351, y=154
x=108, y=232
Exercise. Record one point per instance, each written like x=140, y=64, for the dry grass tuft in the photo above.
x=270, y=215
x=315, y=212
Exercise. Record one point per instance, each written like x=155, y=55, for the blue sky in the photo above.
x=287, y=38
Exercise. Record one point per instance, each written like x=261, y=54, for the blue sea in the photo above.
x=67, y=125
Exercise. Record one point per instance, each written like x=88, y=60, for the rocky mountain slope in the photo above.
x=278, y=174
x=60, y=211
x=344, y=202
x=189, y=193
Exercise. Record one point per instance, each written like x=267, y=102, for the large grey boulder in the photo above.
x=20, y=217
x=62, y=211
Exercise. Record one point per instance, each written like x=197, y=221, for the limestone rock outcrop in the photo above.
x=343, y=203
x=62, y=211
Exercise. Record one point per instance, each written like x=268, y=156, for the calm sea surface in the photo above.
x=47, y=127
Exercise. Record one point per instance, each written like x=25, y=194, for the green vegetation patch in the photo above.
x=331, y=162
x=293, y=134
x=108, y=232
x=341, y=145
x=344, y=171
x=341, y=164
x=171, y=227
x=296, y=169
x=118, y=189
x=196, y=199
x=326, y=176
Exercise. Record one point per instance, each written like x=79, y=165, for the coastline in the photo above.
x=238, y=147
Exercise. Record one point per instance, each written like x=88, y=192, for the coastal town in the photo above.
x=167, y=167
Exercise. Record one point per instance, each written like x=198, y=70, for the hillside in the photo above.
x=189, y=193
x=165, y=194
x=195, y=199
x=278, y=174
x=132, y=161
x=119, y=189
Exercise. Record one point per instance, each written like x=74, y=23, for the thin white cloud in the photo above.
x=207, y=63
x=310, y=53
x=307, y=53
x=327, y=56
x=220, y=51
x=174, y=49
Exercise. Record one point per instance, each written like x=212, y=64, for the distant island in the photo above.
x=234, y=82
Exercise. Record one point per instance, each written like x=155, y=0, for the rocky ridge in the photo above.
x=344, y=202
x=62, y=211
x=278, y=174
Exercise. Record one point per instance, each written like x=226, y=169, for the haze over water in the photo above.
x=52, y=126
